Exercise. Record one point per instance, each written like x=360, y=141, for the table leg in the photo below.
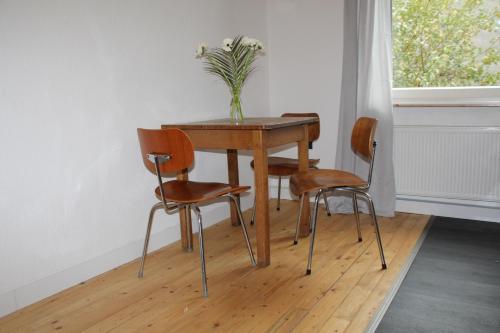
x=185, y=220
x=303, y=148
x=233, y=177
x=261, y=198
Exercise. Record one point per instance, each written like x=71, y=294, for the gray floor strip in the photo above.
x=394, y=289
x=453, y=284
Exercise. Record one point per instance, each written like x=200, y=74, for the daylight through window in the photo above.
x=446, y=43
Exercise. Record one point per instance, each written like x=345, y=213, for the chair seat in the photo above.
x=182, y=191
x=316, y=179
x=282, y=166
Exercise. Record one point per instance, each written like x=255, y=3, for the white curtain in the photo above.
x=366, y=91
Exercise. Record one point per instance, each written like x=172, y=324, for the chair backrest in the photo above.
x=172, y=142
x=313, y=128
x=362, y=137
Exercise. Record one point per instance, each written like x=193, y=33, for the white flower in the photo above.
x=227, y=44
x=200, y=50
x=246, y=41
x=250, y=42
x=255, y=44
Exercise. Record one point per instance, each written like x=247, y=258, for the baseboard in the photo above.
x=8, y=303
x=52, y=284
x=464, y=209
x=42, y=288
x=28, y=294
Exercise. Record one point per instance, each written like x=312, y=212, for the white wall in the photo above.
x=77, y=79
x=305, y=65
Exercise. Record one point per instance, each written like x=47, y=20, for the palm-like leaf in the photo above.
x=234, y=66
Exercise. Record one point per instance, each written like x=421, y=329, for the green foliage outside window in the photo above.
x=446, y=43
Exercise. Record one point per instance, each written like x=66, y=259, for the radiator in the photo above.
x=448, y=162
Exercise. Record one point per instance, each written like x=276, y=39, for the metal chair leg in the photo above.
x=252, y=221
x=244, y=229
x=377, y=231
x=202, y=251
x=356, y=212
x=297, y=226
x=327, y=207
x=314, y=222
x=189, y=229
x=279, y=193
x=155, y=207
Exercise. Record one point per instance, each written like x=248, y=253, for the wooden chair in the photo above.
x=327, y=181
x=168, y=151
x=285, y=167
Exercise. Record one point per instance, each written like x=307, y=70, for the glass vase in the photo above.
x=236, y=114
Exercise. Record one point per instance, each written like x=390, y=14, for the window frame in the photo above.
x=474, y=96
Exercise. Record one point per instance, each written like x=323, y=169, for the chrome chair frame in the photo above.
x=160, y=159
x=252, y=221
x=356, y=191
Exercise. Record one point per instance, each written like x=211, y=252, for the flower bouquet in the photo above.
x=233, y=62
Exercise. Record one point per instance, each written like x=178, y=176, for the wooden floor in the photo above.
x=342, y=294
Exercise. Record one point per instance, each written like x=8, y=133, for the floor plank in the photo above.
x=342, y=294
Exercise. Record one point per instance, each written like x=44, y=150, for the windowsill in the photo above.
x=445, y=105
x=446, y=97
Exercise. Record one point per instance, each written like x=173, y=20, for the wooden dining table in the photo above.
x=257, y=135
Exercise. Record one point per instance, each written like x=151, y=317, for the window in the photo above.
x=446, y=51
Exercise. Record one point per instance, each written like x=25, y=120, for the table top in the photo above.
x=262, y=123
